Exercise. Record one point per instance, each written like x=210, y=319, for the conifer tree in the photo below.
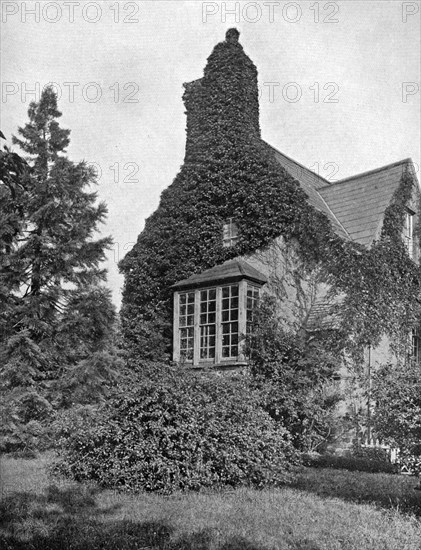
x=51, y=264
x=13, y=196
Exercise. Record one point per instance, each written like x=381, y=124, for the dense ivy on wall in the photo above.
x=383, y=293
x=229, y=171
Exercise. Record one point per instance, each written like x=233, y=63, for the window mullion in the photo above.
x=196, y=340
x=242, y=317
x=218, y=347
x=176, y=332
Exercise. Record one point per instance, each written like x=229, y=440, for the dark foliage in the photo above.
x=181, y=432
x=56, y=320
x=351, y=463
x=371, y=453
x=295, y=377
x=397, y=412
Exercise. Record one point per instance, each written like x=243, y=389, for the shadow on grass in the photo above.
x=383, y=490
x=68, y=519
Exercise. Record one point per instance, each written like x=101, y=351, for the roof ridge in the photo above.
x=296, y=162
x=369, y=172
x=315, y=189
x=333, y=214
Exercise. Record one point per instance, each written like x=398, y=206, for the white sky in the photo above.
x=367, y=56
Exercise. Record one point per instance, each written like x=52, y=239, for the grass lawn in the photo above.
x=45, y=514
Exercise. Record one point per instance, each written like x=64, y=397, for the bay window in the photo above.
x=212, y=317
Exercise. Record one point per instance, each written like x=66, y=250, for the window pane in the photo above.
x=229, y=233
x=186, y=322
x=207, y=323
x=251, y=304
x=229, y=321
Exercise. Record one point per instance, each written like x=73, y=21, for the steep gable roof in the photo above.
x=310, y=183
x=356, y=205
x=359, y=202
x=229, y=271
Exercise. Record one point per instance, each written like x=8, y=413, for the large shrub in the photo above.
x=295, y=378
x=185, y=432
x=396, y=392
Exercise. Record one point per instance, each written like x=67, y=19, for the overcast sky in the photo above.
x=339, y=84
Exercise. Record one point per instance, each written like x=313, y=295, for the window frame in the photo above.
x=230, y=234
x=408, y=231
x=234, y=317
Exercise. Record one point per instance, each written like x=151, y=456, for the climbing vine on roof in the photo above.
x=229, y=172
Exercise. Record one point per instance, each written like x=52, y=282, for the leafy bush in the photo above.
x=397, y=415
x=185, y=432
x=371, y=453
x=350, y=463
x=295, y=378
x=410, y=463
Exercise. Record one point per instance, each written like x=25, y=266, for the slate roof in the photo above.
x=360, y=202
x=229, y=271
x=324, y=314
x=310, y=183
x=355, y=206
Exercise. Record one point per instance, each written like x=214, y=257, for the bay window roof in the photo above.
x=229, y=271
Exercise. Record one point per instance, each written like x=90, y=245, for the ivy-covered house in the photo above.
x=242, y=219
x=212, y=307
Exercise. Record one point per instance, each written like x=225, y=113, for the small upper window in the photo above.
x=230, y=233
x=409, y=232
